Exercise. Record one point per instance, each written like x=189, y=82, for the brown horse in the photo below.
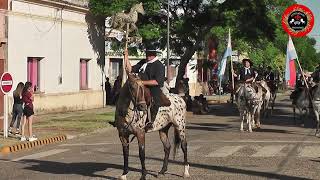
x=131, y=116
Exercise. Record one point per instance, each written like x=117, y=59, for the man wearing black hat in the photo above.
x=247, y=74
x=152, y=74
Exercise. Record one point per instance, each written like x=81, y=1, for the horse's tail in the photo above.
x=177, y=142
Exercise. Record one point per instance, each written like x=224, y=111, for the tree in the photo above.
x=192, y=21
x=255, y=25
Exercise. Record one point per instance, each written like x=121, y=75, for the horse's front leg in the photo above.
x=249, y=119
x=241, y=119
x=141, y=141
x=125, y=148
x=316, y=112
x=163, y=133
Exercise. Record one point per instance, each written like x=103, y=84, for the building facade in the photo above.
x=49, y=44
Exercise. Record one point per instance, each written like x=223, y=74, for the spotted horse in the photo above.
x=249, y=102
x=131, y=116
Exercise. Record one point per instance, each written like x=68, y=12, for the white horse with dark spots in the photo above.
x=249, y=103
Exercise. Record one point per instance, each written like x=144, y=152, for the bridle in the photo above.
x=135, y=101
x=135, y=97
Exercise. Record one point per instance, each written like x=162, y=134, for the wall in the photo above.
x=37, y=30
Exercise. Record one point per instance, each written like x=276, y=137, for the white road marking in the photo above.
x=42, y=154
x=253, y=141
x=224, y=151
x=85, y=144
x=269, y=151
x=310, y=151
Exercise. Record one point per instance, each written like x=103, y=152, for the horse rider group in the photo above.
x=152, y=73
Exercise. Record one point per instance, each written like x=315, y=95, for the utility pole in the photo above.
x=168, y=40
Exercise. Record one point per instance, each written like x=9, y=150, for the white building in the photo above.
x=49, y=45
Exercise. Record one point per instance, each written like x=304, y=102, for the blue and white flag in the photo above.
x=227, y=53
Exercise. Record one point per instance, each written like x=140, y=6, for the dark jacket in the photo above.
x=316, y=75
x=154, y=71
x=244, y=76
x=270, y=76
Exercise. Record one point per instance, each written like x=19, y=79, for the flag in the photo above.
x=223, y=63
x=290, y=73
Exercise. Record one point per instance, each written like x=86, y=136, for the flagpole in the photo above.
x=304, y=78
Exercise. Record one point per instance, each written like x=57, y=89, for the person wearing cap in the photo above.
x=152, y=73
x=247, y=73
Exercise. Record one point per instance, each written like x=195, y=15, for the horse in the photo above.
x=119, y=20
x=249, y=104
x=316, y=106
x=273, y=90
x=131, y=116
x=301, y=100
x=266, y=96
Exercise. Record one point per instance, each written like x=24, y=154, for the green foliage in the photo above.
x=255, y=27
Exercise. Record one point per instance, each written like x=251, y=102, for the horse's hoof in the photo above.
x=123, y=177
x=186, y=175
x=250, y=130
x=317, y=134
x=143, y=178
x=162, y=172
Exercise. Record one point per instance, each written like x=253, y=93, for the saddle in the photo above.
x=164, y=101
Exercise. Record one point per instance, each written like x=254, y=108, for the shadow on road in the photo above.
x=87, y=169
x=225, y=109
x=210, y=126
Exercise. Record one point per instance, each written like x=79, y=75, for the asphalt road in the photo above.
x=216, y=149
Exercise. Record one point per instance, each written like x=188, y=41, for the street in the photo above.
x=216, y=150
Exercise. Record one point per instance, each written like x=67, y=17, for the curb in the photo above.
x=29, y=145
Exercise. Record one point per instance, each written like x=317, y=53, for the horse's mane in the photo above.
x=124, y=99
x=125, y=96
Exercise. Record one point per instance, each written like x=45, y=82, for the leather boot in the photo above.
x=153, y=112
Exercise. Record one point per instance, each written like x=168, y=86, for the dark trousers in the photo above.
x=17, y=112
x=155, y=92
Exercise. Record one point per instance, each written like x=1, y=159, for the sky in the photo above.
x=314, y=6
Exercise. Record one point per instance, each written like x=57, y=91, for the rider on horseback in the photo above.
x=152, y=73
x=247, y=73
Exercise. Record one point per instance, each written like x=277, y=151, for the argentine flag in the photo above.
x=223, y=63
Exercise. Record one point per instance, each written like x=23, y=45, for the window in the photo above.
x=116, y=68
x=33, y=71
x=84, y=74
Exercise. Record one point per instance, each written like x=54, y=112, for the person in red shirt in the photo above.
x=27, y=98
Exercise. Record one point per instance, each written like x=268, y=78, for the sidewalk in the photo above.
x=68, y=123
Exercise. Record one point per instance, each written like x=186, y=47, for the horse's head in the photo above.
x=139, y=8
x=137, y=91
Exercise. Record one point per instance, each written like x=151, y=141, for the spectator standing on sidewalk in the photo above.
x=116, y=89
x=107, y=88
x=17, y=109
x=27, y=98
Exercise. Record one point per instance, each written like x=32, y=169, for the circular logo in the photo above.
x=297, y=20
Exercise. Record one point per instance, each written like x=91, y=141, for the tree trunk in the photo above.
x=183, y=64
